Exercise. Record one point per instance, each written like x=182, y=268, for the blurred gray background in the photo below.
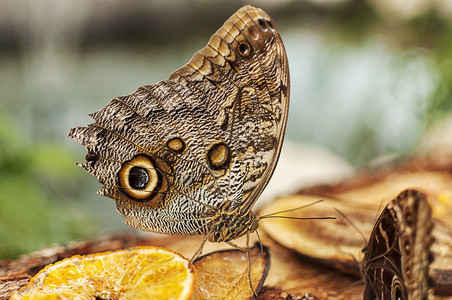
x=369, y=79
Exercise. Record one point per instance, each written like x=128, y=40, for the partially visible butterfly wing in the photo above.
x=173, y=151
x=398, y=257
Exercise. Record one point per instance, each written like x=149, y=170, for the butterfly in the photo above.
x=397, y=259
x=191, y=155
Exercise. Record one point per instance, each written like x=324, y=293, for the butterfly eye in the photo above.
x=244, y=49
x=138, y=178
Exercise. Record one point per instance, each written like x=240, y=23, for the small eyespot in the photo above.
x=244, y=49
x=219, y=156
x=406, y=246
x=262, y=23
x=270, y=24
x=409, y=218
x=408, y=272
x=176, y=144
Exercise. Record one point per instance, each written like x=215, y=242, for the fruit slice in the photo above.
x=224, y=274
x=136, y=273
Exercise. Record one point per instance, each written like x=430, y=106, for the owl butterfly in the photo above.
x=397, y=258
x=191, y=154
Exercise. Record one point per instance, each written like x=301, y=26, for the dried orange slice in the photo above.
x=136, y=273
x=225, y=274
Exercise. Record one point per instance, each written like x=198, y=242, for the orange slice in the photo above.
x=136, y=273
x=225, y=274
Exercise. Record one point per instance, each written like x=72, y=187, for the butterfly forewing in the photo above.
x=398, y=256
x=173, y=152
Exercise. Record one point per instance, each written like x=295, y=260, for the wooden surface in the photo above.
x=290, y=277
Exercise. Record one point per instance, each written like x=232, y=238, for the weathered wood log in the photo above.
x=290, y=276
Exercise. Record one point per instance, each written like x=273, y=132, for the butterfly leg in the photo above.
x=234, y=245
x=250, y=263
x=199, y=251
x=247, y=249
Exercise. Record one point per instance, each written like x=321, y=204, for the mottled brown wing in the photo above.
x=398, y=257
x=245, y=65
x=170, y=153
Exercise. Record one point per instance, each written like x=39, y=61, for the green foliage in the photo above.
x=34, y=182
x=440, y=105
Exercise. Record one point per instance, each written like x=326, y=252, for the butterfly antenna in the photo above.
x=352, y=224
x=292, y=209
x=275, y=214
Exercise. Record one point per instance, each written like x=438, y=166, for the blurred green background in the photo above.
x=368, y=78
